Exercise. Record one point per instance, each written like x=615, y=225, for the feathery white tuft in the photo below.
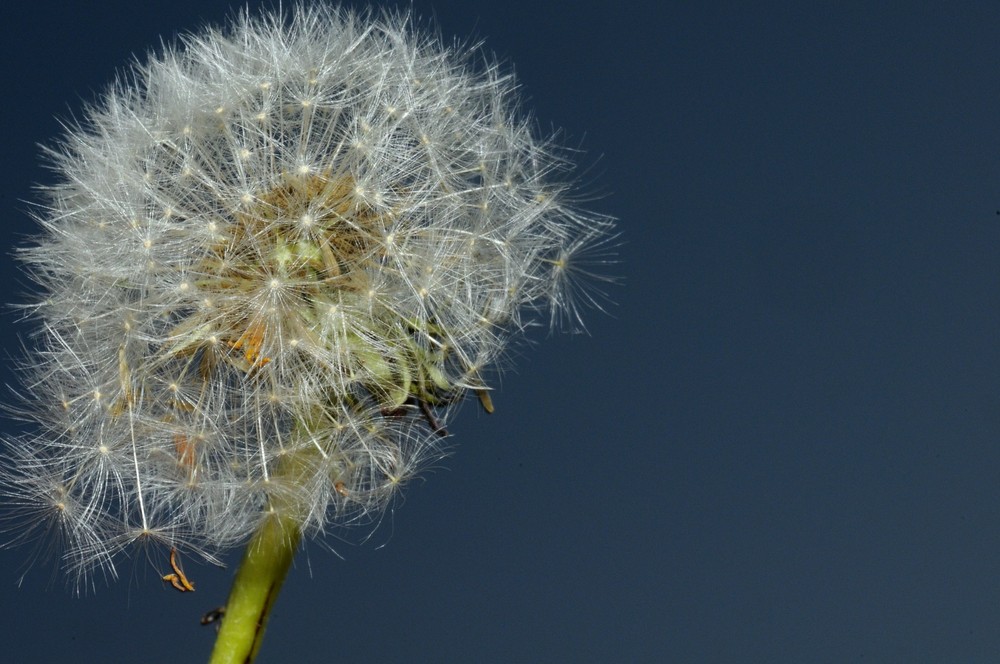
x=274, y=259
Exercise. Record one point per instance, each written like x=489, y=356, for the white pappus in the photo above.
x=274, y=258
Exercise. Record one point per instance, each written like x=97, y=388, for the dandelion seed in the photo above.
x=177, y=578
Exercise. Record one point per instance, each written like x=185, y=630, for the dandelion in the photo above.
x=275, y=259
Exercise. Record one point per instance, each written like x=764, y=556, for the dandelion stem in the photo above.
x=262, y=571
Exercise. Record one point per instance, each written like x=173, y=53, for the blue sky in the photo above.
x=781, y=444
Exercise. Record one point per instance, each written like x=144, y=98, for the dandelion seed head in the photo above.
x=276, y=257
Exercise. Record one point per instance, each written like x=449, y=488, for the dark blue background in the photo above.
x=783, y=443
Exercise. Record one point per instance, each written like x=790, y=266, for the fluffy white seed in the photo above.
x=274, y=259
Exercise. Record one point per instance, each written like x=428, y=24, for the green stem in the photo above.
x=258, y=580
